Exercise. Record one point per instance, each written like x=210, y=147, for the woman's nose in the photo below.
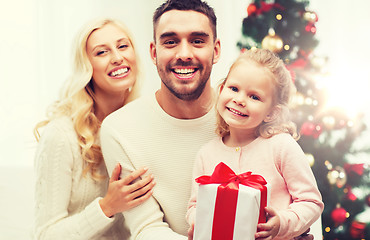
x=117, y=58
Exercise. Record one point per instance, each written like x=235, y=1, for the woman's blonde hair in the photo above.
x=77, y=97
x=284, y=90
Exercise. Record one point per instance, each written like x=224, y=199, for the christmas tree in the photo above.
x=328, y=134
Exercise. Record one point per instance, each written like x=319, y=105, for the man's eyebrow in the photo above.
x=199, y=34
x=193, y=34
x=167, y=34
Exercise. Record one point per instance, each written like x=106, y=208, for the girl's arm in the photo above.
x=307, y=205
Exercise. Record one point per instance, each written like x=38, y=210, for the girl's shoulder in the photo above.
x=281, y=139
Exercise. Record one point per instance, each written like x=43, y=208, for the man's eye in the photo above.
x=169, y=42
x=198, y=41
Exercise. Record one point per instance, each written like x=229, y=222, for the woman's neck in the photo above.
x=106, y=104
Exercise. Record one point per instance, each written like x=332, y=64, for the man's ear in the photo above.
x=153, y=53
x=217, y=51
x=275, y=111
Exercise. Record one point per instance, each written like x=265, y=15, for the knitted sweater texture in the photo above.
x=67, y=204
x=142, y=134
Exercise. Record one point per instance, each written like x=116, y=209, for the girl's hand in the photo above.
x=124, y=194
x=305, y=236
x=270, y=229
x=191, y=232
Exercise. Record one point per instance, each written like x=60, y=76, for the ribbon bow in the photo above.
x=227, y=195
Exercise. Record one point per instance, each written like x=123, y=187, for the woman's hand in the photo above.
x=124, y=194
x=269, y=229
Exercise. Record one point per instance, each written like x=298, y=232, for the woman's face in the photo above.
x=113, y=60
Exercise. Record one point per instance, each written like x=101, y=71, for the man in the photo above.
x=165, y=131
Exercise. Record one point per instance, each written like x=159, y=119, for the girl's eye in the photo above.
x=254, y=97
x=234, y=89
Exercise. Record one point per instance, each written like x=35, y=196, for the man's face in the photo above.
x=184, y=52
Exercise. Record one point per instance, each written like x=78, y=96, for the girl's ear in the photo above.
x=221, y=87
x=274, y=113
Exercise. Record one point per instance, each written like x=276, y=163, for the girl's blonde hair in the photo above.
x=77, y=97
x=284, y=90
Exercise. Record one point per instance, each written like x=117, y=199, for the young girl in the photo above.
x=255, y=134
x=75, y=199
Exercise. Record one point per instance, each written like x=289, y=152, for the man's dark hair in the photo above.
x=183, y=5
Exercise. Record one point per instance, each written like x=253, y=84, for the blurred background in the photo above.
x=323, y=43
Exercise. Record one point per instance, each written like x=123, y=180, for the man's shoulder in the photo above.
x=131, y=111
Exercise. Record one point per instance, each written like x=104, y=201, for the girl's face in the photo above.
x=113, y=60
x=246, y=99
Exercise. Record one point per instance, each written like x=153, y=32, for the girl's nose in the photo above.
x=239, y=100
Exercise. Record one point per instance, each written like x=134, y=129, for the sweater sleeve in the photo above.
x=307, y=205
x=197, y=172
x=146, y=221
x=54, y=170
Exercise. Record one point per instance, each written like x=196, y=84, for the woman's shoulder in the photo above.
x=58, y=129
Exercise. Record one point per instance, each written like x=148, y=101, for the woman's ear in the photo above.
x=275, y=111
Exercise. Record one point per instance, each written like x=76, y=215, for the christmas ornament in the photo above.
x=367, y=200
x=272, y=42
x=349, y=194
x=251, y=9
x=357, y=229
x=310, y=27
x=329, y=122
x=310, y=17
x=337, y=176
x=311, y=129
x=267, y=7
x=339, y=215
x=354, y=168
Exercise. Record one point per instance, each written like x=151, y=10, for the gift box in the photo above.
x=230, y=206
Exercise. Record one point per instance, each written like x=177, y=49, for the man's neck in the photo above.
x=182, y=109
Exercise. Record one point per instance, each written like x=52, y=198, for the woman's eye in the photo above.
x=100, y=52
x=122, y=46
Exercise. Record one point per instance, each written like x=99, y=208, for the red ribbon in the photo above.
x=227, y=197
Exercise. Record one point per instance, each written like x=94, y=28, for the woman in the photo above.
x=75, y=199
